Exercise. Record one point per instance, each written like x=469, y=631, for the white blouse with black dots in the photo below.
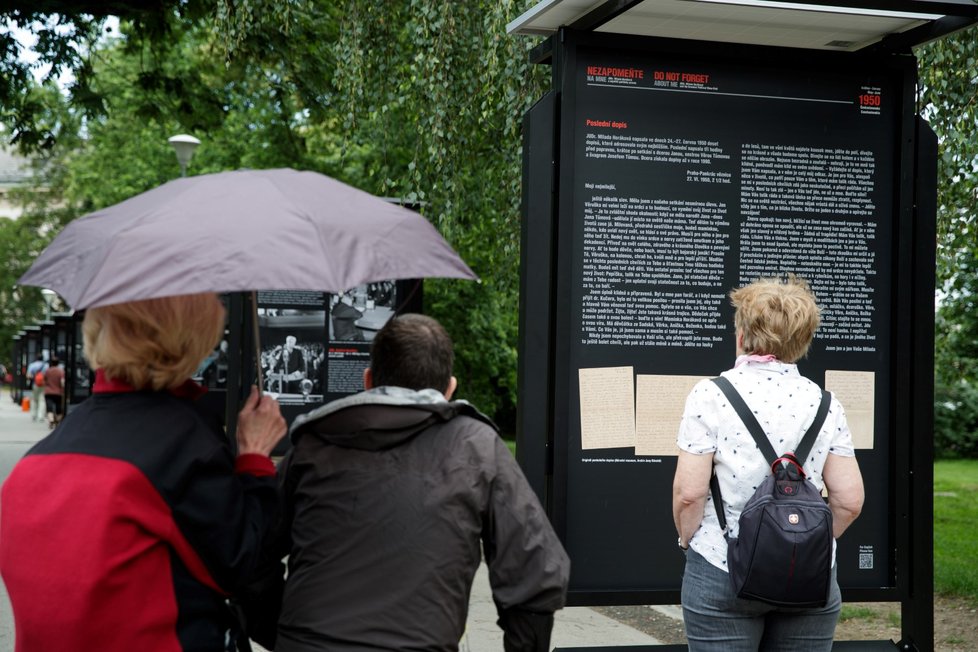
x=784, y=403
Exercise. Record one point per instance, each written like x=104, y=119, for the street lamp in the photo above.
x=184, y=145
x=49, y=297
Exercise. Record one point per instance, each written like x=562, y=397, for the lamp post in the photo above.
x=49, y=297
x=184, y=145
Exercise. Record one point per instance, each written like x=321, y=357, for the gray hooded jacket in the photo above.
x=390, y=493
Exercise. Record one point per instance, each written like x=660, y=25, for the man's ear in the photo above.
x=368, y=379
x=452, y=384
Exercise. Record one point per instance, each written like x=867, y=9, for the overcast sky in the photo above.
x=27, y=41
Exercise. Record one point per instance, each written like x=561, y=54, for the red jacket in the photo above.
x=126, y=528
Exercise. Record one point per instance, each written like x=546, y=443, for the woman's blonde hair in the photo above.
x=153, y=344
x=776, y=317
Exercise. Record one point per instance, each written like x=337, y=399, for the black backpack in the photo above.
x=783, y=552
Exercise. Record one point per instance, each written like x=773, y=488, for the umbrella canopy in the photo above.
x=240, y=231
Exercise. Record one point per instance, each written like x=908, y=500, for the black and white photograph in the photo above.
x=292, y=328
x=357, y=314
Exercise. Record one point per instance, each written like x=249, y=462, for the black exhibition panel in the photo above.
x=60, y=338
x=78, y=375
x=659, y=175
x=314, y=346
x=30, y=348
x=48, y=339
x=915, y=473
x=533, y=416
x=16, y=368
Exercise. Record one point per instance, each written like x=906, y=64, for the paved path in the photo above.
x=574, y=626
x=17, y=434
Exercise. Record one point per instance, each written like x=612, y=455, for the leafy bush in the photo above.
x=956, y=421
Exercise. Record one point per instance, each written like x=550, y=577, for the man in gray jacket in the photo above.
x=389, y=494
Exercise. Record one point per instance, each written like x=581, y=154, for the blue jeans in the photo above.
x=716, y=619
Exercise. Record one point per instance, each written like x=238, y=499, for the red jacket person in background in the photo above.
x=128, y=526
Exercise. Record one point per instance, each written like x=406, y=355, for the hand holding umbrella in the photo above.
x=260, y=425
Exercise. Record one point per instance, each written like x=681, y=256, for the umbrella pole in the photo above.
x=257, y=338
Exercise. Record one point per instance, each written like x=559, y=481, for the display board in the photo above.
x=681, y=177
x=79, y=381
x=315, y=345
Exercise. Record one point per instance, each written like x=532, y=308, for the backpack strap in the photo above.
x=745, y=414
x=805, y=447
x=760, y=438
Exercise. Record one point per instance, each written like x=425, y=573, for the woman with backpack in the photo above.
x=775, y=322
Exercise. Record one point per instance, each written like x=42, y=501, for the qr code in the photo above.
x=865, y=561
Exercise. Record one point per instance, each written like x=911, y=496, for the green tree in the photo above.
x=151, y=92
x=45, y=215
x=415, y=99
x=440, y=90
x=948, y=78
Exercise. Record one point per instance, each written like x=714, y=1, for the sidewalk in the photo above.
x=15, y=425
x=573, y=626
x=17, y=432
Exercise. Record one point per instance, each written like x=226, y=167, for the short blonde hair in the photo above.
x=153, y=344
x=776, y=317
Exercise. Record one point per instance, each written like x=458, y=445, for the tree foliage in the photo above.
x=441, y=89
x=949, y=101
x=415, y=99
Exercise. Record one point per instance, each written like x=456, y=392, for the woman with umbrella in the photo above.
x=129, y=525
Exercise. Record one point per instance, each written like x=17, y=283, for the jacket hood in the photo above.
x=380, y=418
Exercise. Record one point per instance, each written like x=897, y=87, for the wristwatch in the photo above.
x=679, y=542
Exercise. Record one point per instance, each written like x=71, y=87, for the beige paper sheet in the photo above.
x=856, y=391
x=659, y=403
x=607, y=407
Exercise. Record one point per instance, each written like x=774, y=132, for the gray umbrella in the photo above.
x=240, y=231
x=237, y=231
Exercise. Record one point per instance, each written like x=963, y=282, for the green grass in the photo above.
x=955, y=524
x=850, y=612
x=511, y=445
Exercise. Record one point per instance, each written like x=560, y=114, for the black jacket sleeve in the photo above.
x=259, y=602
x=525, y=631
x=528, y=567
x=227, y=517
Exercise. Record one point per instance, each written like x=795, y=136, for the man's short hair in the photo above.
x=153, y=344
x=412, y=351
x=776, y=317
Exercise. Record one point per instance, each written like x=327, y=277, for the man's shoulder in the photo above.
x=467, y=429
x=472, y=416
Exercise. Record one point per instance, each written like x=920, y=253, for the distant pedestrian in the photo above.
x=35, y=376
x=54, y=392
